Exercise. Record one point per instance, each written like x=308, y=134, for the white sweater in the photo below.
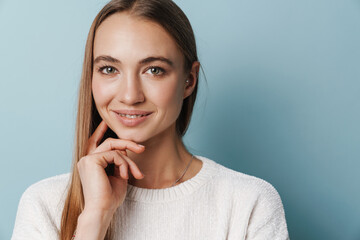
x=217, y=203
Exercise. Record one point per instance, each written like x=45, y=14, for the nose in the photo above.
x=130, y=91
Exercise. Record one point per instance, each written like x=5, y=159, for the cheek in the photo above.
x=101, y=92
x=169, y=97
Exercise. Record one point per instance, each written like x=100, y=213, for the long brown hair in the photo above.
x=174, y=21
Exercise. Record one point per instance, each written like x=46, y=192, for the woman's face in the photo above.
x=139, y=81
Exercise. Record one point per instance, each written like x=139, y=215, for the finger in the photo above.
x=119, y=144
x=123, y=167
x=96, y=136
x=102, y=159
x=116, y=158
x=129, y=165
x=133, y=168
x=117, y=172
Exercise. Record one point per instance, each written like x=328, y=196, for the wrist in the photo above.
x=93, y=224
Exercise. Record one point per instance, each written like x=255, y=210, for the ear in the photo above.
x=191, y=80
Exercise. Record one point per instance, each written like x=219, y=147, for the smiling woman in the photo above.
x=132, y=176
x=139, y=78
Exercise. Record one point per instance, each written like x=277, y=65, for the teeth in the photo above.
x=131, y=116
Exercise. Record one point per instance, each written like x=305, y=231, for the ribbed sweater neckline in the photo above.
x=178, y=191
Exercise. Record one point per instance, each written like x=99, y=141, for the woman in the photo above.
x=132, y=176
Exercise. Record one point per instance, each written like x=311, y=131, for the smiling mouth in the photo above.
x=132, y=118
x=133, y=115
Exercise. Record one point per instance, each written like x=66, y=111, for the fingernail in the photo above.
x=141, y=145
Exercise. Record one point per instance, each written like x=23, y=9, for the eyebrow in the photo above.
x=111, y=59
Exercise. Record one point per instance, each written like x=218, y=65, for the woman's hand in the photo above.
x=103, y=194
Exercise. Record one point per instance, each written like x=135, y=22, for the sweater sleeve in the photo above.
x=267, y=219
x=35, y=218
x=28, y=223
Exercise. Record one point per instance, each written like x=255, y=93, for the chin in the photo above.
x=132, y=137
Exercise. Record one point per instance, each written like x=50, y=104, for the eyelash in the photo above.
x=162, y=71
x=101, y=69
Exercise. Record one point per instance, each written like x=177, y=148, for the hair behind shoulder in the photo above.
x=174, y=21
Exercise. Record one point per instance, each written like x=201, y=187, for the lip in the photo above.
x=132, y=112
x=131, y=122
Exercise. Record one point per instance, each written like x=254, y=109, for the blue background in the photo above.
x=282, y=100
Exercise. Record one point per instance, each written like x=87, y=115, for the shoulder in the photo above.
x=251, y=200
x=244, y=186
x=49, y=185
x=40, y=208
x=48, y=191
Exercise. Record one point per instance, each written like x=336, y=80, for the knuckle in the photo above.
x=83, y=161
x=109, y=139
x=80, y=162
x=118, y=152
x=110, y=142
x=106, y=141
x=119, y=160
x=111, y=145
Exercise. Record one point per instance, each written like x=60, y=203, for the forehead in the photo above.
x=130, y=38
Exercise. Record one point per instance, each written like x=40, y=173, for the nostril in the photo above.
x=131, y=96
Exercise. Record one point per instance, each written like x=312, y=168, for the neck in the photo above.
x=164, y=159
